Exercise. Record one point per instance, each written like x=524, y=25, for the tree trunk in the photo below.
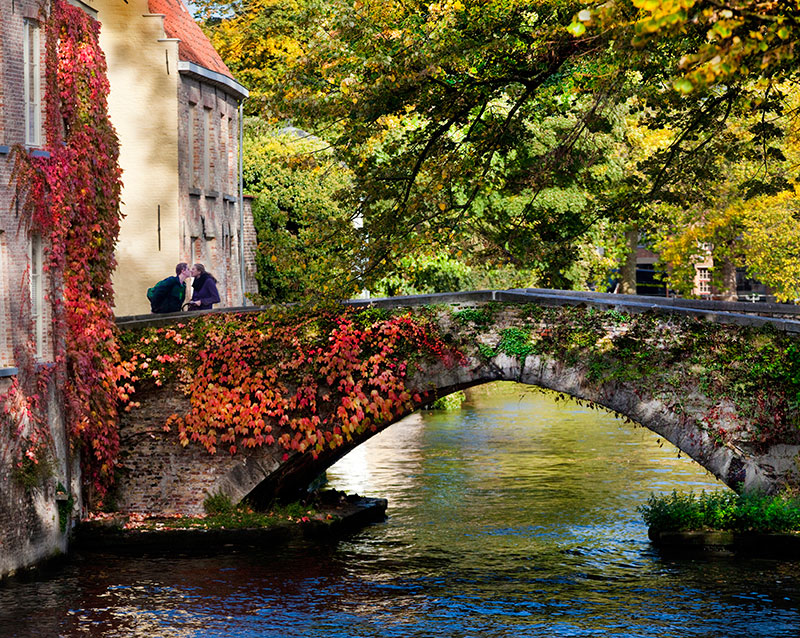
x=627, y=283
x=728, y=289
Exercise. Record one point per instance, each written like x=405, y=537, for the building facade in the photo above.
x=175, y=106
x=36, y=465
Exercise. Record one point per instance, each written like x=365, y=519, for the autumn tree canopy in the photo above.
x=512, y=130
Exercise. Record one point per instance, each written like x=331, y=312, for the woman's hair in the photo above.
x=202, y=270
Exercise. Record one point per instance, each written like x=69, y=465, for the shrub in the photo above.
x=450, y=402
x=750, y=511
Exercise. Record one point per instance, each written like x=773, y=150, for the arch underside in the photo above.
x=738, y=468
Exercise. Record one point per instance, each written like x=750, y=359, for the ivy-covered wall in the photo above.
x=60, y=402
x=273, y=398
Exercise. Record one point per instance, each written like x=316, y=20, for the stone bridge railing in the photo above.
x=783, y=317
x=723, y=389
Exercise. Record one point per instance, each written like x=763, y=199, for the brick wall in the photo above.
x=159, y=476
x=250, y=247
x=208, y=175
x=29, y=527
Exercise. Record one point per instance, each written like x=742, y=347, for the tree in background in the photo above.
x=260, y=41
x=306, y=239
x=532, y=135
x=772, y=226
x=726, y=179
x=481, y=125
x=738, y=189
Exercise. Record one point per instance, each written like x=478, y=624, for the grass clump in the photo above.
x=450, y=402
x=747, y=512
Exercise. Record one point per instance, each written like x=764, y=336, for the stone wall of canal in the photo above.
x=36, y=514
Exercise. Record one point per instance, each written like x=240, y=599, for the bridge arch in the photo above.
x=656, y=389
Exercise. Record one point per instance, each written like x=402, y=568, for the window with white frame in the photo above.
x=33, y=87
x=36, y=256
x=704, y=281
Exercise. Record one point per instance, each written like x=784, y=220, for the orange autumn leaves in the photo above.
x=303, y=382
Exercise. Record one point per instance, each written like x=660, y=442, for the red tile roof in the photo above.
x=194, y=46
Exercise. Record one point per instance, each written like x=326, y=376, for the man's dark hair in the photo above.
x=181, y=267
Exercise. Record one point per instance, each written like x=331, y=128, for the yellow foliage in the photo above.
x=773, y=242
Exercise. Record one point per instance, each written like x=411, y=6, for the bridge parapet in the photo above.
x=782, y=317
x=725, y=391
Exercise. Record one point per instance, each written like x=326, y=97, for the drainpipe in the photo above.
x=241, y=199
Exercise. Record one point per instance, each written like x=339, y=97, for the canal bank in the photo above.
x=696, y=543
x=333, y=516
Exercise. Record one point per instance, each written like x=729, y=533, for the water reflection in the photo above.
x=513, y=517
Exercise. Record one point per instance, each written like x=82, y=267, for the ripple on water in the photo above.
x=513, y=517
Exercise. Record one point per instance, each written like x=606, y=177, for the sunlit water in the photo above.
x=514, y=516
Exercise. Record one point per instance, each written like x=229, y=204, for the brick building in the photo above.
x=176, y=109
x=29, y=521
x=175, y=106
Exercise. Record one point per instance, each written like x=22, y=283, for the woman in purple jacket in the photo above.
x=204, y=289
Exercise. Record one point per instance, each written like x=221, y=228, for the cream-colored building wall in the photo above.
x=143, y=106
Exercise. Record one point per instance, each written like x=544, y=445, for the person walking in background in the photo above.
x=204, y=289
x=168, y=294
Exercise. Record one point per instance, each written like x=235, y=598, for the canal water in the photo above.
x=515, y=516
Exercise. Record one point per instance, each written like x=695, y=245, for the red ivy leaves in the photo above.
x=304, y=385
x=72, y=198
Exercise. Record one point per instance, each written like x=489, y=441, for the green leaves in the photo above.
x=752, y=512
x=307, y=241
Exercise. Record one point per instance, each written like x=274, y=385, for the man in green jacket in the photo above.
x=168, y=294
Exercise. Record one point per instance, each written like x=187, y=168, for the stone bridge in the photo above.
x=721, y=381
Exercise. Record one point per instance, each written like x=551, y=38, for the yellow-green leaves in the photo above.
x=773, y=242
x=576, y=28
x=683, y=85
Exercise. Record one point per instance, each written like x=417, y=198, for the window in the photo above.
x=207, y=148
x=223, y=152
x=190, y=143
x=193, y=250
x=32, y=90
x=36, y=257
x=704, y=281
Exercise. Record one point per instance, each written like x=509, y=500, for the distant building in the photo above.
x=649, y=283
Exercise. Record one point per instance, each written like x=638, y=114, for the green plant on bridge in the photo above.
x=515, y=342
x=481, y=317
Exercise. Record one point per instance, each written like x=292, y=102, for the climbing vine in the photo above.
x=301, y=381
x=749, y=377
x=71, y=198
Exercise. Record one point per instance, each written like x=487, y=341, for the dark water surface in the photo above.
x=515, y=516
